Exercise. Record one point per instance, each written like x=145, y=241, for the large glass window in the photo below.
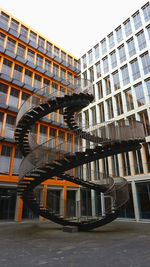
x=21, y=50
x=17, y=72
x=105, y=65
x=98, y=69
x=111, y=40
x=6, y=68
x=119, y=34
x=100, y=89
x=122, y=53
x=147, y=154
x=127, y=26
x=55, y=69
x=4, y=18
x=70, y=60
x=9, y=126
x=56, y=51
x=107, y=85
x=146, y=11
x=2, y=39
x=91, y=74
x=138, y=164
x=139, y=94
x=10, y=44
x=113, y=59
x=143, y=193
x=126, y=164
x=94, y=120
x=47, y=65
x=5, y=159
x=39, y=61
x=103, y=46
x=125, y=75
x=17, y=161
x=33, y=37
x=84, y=62
x=141, y=40
x=43, y=134
x=148, y=30
x=131, y=47
x=119, y=105
x=96, y=50
x=147, y=82
x=24, y=31
x=14, y=25
x=49, y=47
x=135, y=69
x=30, y=56
x=41, y=42
x=1, y=121
x=37, y=81
x=137, y=20
x=101, y=112
x=90, y=57
x=129, y=99
x=116, y=80
x=144, y=118
x=146, y=63
x=3, y=92
x=28, y=77
x=110, y=111
x=63, y=55
x=13, y=98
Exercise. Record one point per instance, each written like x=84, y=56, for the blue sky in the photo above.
x=74, y=25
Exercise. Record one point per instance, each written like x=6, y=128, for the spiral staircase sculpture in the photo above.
x=46, y=161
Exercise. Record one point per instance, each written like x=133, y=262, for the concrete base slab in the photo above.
x=70, y=229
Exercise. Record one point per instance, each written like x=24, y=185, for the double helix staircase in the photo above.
x=53, y=158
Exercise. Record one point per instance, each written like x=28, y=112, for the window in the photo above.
x=148, y=30
x=47, y=65
x=127, y=26
x=141, y=40
x=13, y=98
x=103, y=46
x=63, y=55
x=37, y=81
x=139, y=94
x=6, y=68
x=41, y=42
x=85, y=76
x=129, y=99
x=148, y=88
x=24, y=31
x=63, y=73
x=98, y=69
x=113, y=59
x=33, y=37
x=137, y=20
x=122, y=53
x=94, y=120
x=138, y=165
x=4, y=18
x=39, y=61
x=100, y=89
x=84, y=63
x=70, y=78
x=91, y=74
x=101, y=112
x=49, y=47
x=115, y=165
x=131, y=47
x=110, y=111
x=96, y=50
x=126, y=164
x=9, y=126
x=90, y=57
x=119, y=105
x=146, y=12
x=30, y=56
x=10, y=44
x=86, y=116
x=105, y=65
x=3, y=92
x=28, y=77
x=55, y=69
x=146, y=63
x=144, y=119
x=5, y=158
x=147, y=154
x=135, y=69
x=17, y=161
x=111, y=40
x=125, y=75
x=1, y=121
x=2, y=39
x=14, y=25
x=17, y=72
x=24, y=97
x=70, y=60
x=43, y=134
x=54, y=89
x=107, y=85
x=56, y=51
x=116, y=81
x=119, y=34
x=21, y=50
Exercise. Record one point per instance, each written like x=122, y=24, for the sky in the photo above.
x=75, y=26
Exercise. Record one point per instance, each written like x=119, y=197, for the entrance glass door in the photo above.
x=7, y=203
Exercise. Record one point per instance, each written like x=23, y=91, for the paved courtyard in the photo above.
x=30, y=244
